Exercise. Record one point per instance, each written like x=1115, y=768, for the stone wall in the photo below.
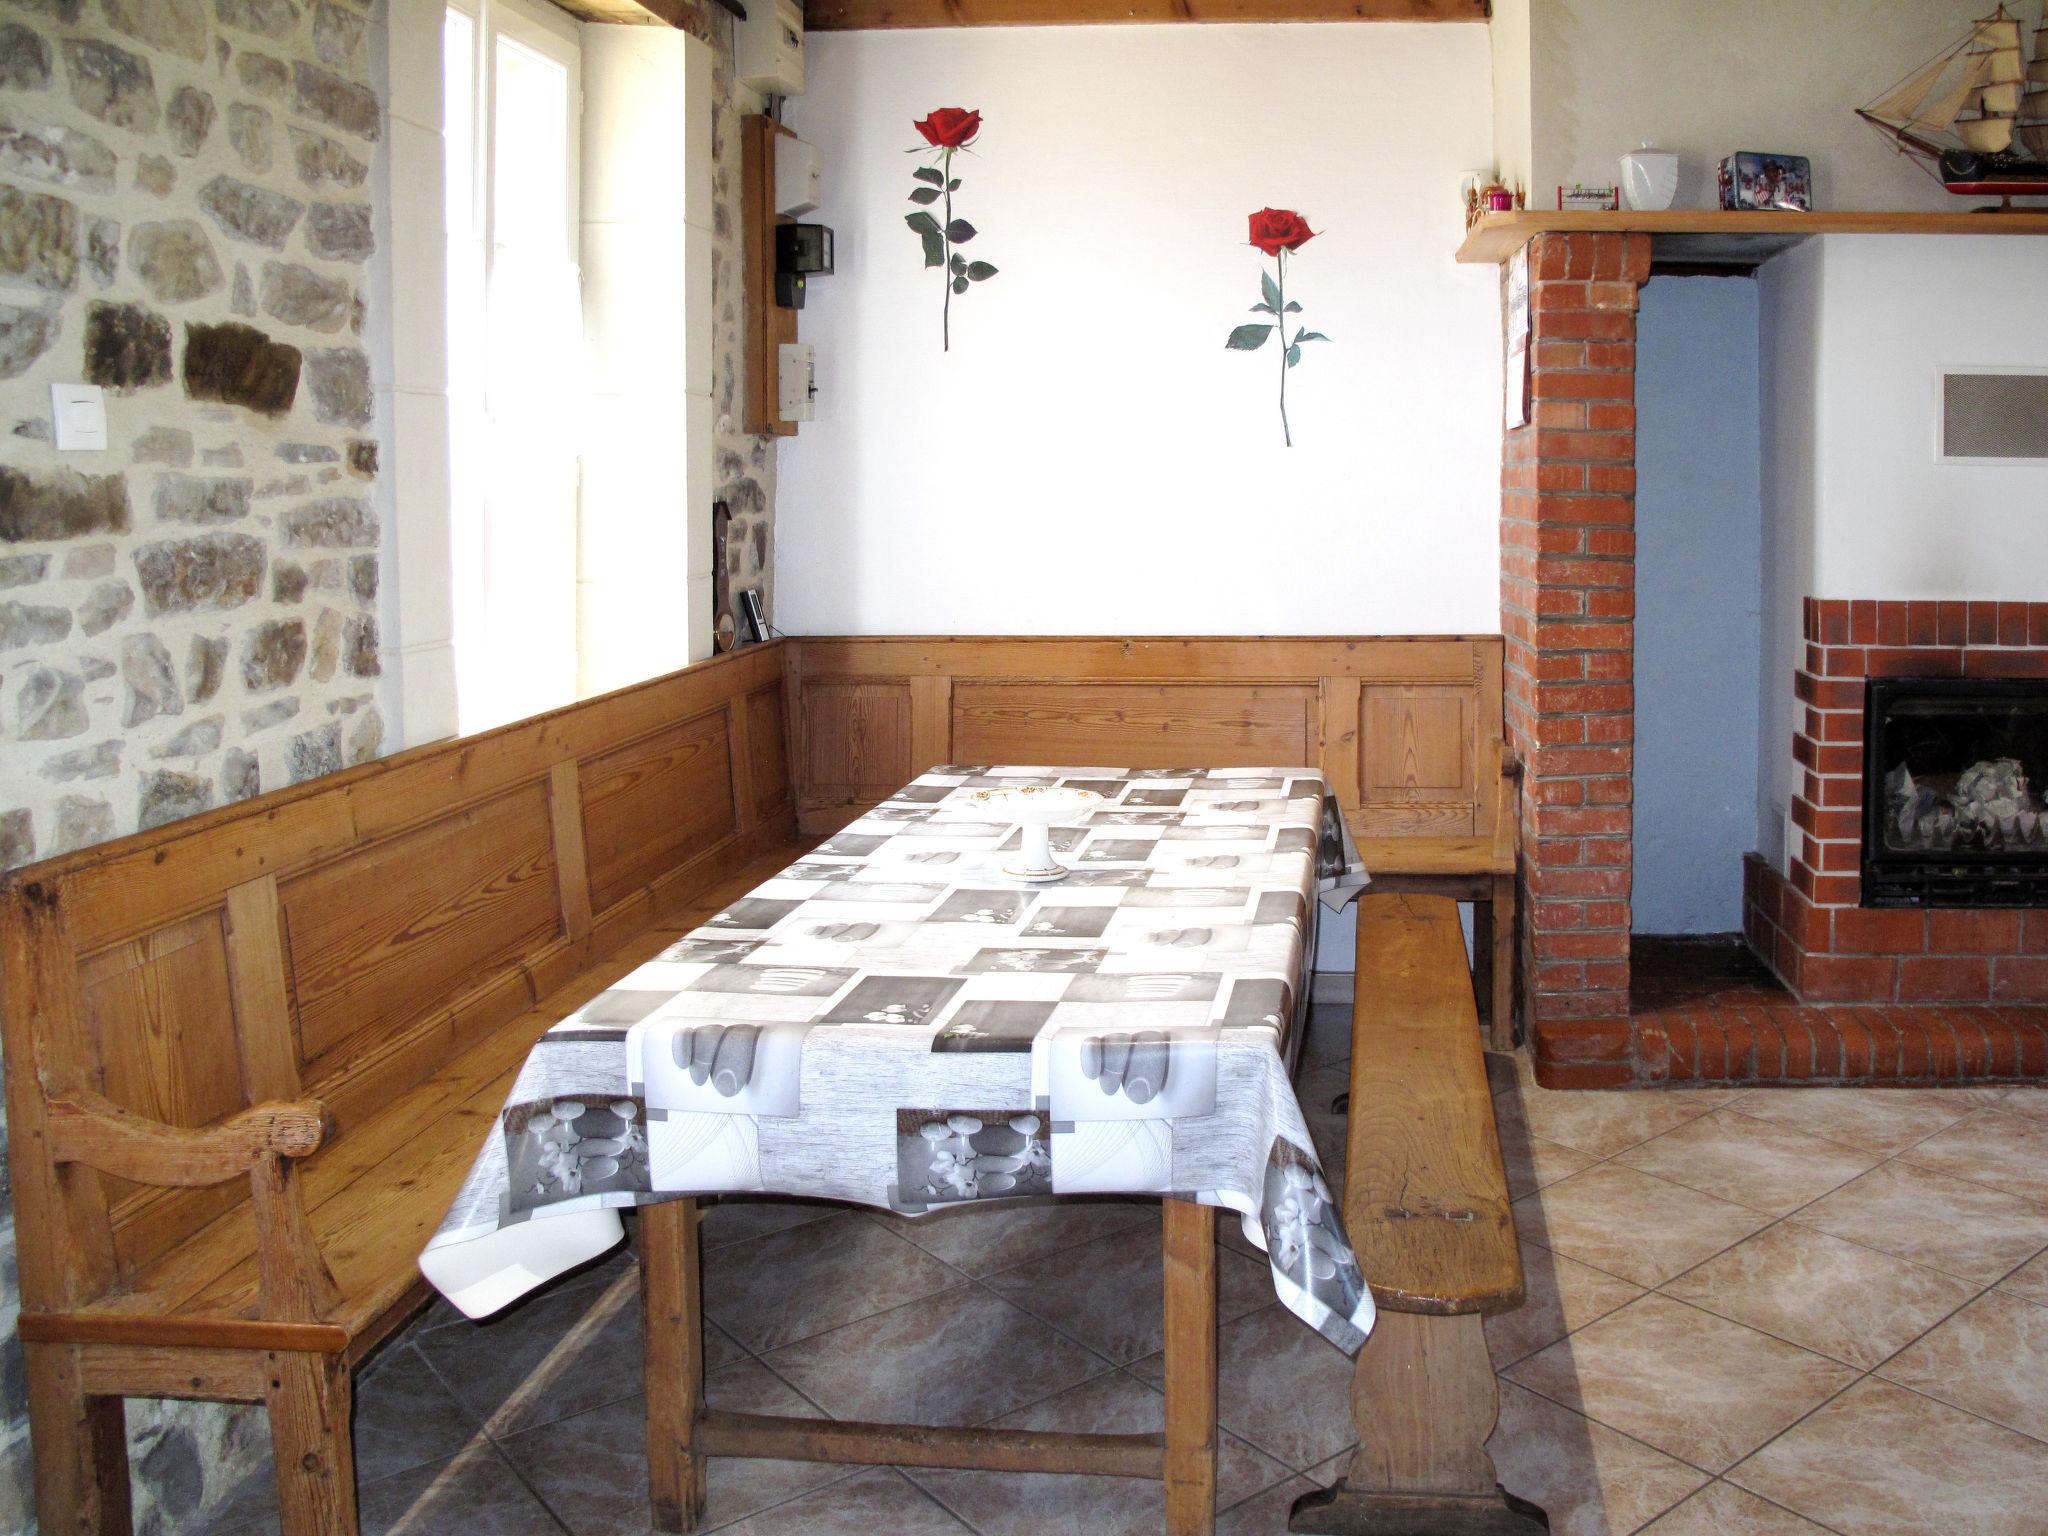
x=191, y=616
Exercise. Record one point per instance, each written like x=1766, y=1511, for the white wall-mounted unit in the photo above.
x=768, y=47
x=798, y=189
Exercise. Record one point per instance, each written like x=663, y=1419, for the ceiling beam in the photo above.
x=878, y=15
x=638, y=13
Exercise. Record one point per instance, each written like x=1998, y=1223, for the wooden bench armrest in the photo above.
x=87, y=1128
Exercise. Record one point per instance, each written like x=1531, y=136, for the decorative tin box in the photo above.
x=1783, y=183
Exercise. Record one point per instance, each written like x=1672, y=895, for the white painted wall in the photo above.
x=1857, y=330
x=1709, y=79
x=1513, y=119
x=1089, y=458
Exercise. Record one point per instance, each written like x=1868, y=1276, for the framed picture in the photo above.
x=753, y=625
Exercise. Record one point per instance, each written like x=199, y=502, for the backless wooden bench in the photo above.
x=251, y=1055
x=1426, y=1207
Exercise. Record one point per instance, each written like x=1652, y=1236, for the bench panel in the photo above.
x=1132, y=725
x=162, y=1023
x=856, y=740
x=655, y=803
x=1417, y=747
x=397, y=930
x=766, y=741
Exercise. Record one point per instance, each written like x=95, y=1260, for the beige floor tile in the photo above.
x=1756, y=1163
x=1110, y=1294
x=1948, y=1224
x=1990, y=1359
x=1603, y=1123
x=1561, y=1295
x=1630, y=1224
x=1722, y=1509
x=1590, y=1480
x=980, y=1241
x=1030, y=1503
x=2027, y=1099
x=1882, y=1461
x=769, y=1291
x=1281, y=1385
x=592, y=1469
x=2029, y=1281
x=1531, y=1160
x=1821, y=1293
x=1886, y=1120
x=1994, y=1146
x=1693, y=1385
x=960, y=1357
x=879, y=1499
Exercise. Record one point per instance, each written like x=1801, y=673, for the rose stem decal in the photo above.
x=947, y=129
x=1276, y=231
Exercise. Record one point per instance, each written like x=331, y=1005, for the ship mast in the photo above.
x=1997, y=70
x=2031, y=126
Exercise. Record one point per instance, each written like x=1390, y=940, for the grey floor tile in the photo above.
x=876, y=1501
x=1280, y=1385
x=475, y=1491
x=772, y=1290
x=1028, y=1503
x=981, y=1240
x=406, y=1416
x=736, y=1220
x=960, y=1357
x=1110, y=1294
x=591, y=1470
x=558, y=1355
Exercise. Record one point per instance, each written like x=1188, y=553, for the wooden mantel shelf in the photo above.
x=1706, y=237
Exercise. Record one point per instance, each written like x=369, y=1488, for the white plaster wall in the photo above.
x=1857, y=330
x=1709, y=79
x=1508, y=29
x=1089, y=458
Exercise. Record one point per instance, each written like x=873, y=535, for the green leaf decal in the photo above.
x=1269, y=288
x=1262, y=309
x=953, y=185
x=1301, y=336
x=959, y=285
x=959, y=231
x=923, y=223
x=1248, y=338
x=926, y=173
x=1293, y=308
x=924, y=195
x=980, y=271
x=959, y=263
x=1293, y=355
x=927, y=229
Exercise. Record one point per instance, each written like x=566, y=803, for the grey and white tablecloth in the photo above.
x=891, y=1021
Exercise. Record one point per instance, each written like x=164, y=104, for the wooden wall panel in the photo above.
x=656, y=803
x=856, y=739
x=1133, y=725
x=767, y=743
x=405, y=927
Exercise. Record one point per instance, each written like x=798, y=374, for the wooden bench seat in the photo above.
x=1426, y=1208
x=251, y=1056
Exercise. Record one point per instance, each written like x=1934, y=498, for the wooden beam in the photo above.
x=681, y=14
x=879, y=15
x=722, y=1433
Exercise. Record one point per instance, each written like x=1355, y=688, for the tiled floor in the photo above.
x=1769, y=1312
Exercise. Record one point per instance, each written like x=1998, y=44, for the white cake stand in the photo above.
x=1036, y=809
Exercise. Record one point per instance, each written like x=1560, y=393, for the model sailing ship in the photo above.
x=1978, y=114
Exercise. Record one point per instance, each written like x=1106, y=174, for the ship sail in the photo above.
x=1984, y=96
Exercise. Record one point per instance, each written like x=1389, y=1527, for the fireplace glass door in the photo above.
x=1955, y=775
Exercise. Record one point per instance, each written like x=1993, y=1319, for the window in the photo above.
x=512, y=103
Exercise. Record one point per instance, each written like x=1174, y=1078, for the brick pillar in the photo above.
x=1567, y=536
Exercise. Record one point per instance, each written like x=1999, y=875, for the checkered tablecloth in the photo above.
x=892, y=1021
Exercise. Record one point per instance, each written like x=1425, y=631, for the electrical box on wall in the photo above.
x=796, y=371
x=768, y=47
x=797, y=183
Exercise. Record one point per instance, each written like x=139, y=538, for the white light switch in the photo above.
x=78, y=413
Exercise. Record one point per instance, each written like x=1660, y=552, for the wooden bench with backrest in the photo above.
x=1407, y=729
x=250, y=1056
x=1426, y=1208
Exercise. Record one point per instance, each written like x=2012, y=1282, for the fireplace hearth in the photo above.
x=1955, y=770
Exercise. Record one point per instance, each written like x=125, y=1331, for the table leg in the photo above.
x=672, y=1338
x=1424, y=1398
x=1190, y=1262
x=1501, y=1023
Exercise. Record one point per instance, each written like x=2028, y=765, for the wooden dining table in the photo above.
x=900, y=1020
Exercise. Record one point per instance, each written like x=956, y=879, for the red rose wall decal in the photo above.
x=945, y=130
x=1278, y=232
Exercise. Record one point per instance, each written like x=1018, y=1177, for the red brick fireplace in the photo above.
x=1893, y=994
